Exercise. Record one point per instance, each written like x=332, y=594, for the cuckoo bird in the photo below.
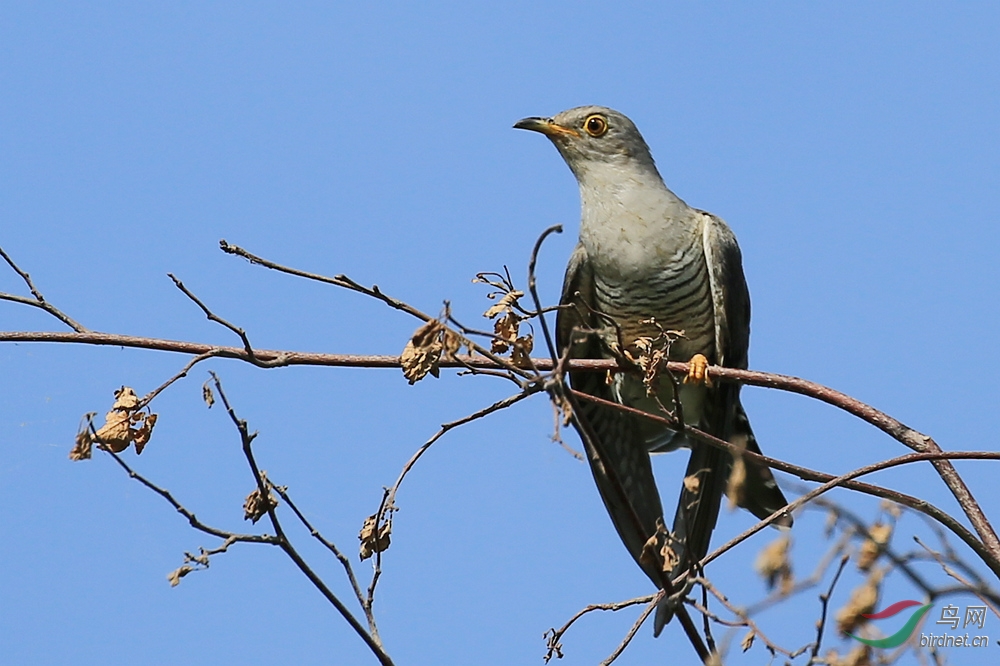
x=648, y=263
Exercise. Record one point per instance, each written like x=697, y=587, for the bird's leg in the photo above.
x=698, y=370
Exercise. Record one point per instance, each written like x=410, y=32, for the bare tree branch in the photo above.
x=192, y=520
x=332, y=547
x=246, y=438
x=847, y=481
x=824, y=600
x=38, y=301
x=553, y=636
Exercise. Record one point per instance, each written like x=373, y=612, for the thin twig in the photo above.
x=824, y=600
x=969, y=586
x=146, y=399
x=553, y=636
x=377, y=570
x=639, y=621
x=744, y=618
x=533, y=287
x=246, y=438
x=389, y=496
x=815, y=578
x=332, y=547
x=485, y=411
x=846, y=481
x=862, y=532
x=950, y=554
x=192, y=520
x=39, y=300
x=374, y=292
x=212, y=316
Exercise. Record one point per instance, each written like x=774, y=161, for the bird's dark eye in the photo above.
x=595, y=125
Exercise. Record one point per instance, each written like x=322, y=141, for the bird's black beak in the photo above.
x=546, y=126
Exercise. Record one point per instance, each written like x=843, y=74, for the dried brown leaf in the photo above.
x=566, y=409
x=505, y=329
x=747, y=641
x=774, y=565
x=175, y=576
x=370, y=543
x=83, y=446
x=207, y=395
x=862, y=601
x=144, y=432
x=692, y=483
x=423, y=352
x=520, y=354
x=891, y=508
x=451, y=342
x=650, y=359
x=644, y=344
x=116, y=433
x=506, y=302
x=873, y=545
x=256, y=505
x=125, y=399
x=669, y=557
x=201, y=558
x=657, y=552
x=736, y=486
x=648, y=555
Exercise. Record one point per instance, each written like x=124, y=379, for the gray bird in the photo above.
x=648, y=263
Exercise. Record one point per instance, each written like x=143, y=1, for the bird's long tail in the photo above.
x=696, y=515
x=755, y=490
x=709, y=476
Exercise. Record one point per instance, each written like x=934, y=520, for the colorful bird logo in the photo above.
x=905, y=631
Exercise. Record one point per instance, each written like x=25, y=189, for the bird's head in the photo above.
x=594, y=138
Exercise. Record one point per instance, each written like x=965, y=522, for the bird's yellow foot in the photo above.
x=698, y=370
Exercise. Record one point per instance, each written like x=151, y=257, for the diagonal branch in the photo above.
x=389, y=497
x=374, y=292
x=846, y=481
x=38, y=301
x=246, y=438
x=192, y=520
x=807, y=474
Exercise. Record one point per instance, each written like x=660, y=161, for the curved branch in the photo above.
x=807, y=474
x=273, y=358
x=846, y=481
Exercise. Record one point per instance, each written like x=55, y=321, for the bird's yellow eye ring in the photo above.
x=596, y=125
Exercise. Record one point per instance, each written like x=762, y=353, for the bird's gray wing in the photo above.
x=724, y=418
x=698, y=506
x=615, y=448
x=758, y=492
x=730, y=295
x=708, y=467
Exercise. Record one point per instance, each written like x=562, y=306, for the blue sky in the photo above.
x=853, y=147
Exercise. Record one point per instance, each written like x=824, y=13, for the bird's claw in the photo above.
x=698, y=370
